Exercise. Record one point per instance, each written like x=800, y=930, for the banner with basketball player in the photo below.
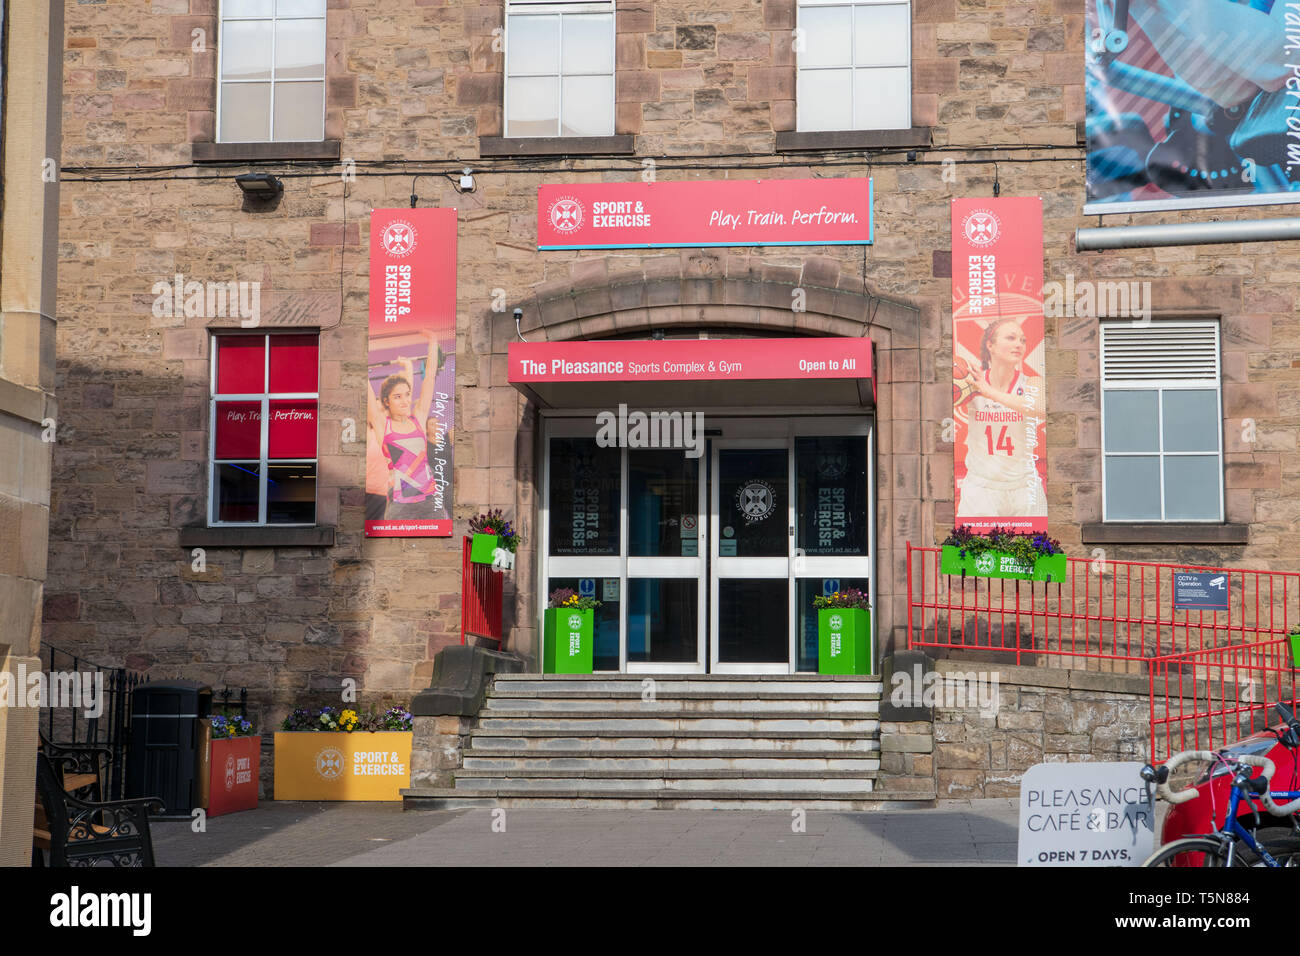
x=1191, y=103
x=999, y=391
x=411, y=380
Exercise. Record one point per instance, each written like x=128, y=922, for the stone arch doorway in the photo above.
x=684, y=296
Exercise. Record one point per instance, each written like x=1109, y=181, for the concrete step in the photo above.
x=636, y=694
x=831, y=786
x=633, y=685
x=701, y=742
x=859, y=724
x=586, y=799
x=860, y=774
x=668, y=763
x=667, y=706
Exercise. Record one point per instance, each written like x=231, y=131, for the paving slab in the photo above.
x=963, y=832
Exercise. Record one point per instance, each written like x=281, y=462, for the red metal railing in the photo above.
x=1206, y=699
x=1119, y=612
x=1213, y=675
x=480, y=602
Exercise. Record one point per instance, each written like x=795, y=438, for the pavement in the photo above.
x=957, y=832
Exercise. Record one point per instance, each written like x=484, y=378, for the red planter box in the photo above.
x=233, y=774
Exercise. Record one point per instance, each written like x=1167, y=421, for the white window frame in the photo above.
x=1160, y=386
x=270, y=21
x=265, y=398
x=852, y=68
x=561, y=8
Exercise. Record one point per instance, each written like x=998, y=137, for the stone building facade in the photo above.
x=413, y=95
x=28, y=410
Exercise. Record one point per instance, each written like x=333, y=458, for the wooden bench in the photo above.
x=83, y=768
x=76, y=832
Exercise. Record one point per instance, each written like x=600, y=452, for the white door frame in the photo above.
x=772, y=428
x=775, y=568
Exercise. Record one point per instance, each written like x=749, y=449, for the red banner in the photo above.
x=771, y=212
x=411, y=386
x=689, y=360
x=998, y=385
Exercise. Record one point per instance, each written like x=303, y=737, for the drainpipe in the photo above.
x=1186, y=234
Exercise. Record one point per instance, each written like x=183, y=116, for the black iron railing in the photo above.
x=71, y=714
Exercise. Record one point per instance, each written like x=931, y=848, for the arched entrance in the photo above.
x=706, y=563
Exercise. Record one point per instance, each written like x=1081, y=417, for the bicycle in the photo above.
x=1220, y=848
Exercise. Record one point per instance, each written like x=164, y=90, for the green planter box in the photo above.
x=844, y=641
x=998, y=564
x=569, y=638
x=481, y=547
x=1295, y=649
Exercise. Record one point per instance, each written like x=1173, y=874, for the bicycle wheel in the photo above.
x=1285, y=850
x=1210, y=852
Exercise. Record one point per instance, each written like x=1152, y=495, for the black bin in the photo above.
x=162, y=757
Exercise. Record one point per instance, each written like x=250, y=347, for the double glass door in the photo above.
x=709, y=563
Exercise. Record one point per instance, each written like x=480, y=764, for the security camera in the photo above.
x=519, y=314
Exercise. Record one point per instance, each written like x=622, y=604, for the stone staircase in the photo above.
x=679, y=742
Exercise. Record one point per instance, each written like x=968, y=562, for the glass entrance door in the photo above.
x=709, y=563
x=751, y=522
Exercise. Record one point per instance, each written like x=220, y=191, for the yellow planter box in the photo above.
x=312, y=765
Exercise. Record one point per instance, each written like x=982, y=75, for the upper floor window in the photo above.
x=1161, y=422
x=559, y=68
x=271, y=71
x=263, y=429
x=855, y=65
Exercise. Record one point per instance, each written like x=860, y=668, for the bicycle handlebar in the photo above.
x=1245, y=760
x=1176, y=761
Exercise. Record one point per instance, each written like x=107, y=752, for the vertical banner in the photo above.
x=999, y=392
x=411, y=380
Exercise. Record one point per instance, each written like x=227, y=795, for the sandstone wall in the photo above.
x=412, y=83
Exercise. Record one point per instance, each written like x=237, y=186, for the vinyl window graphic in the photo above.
x=263, y=428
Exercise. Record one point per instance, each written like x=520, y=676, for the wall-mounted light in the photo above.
x=467, y=180
x=260, y=185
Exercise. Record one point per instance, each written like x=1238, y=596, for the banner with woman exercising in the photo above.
x=411, y=380
x=999, y=392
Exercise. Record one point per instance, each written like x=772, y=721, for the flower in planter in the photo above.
x=230, y=725
x=569, y=600
x=848, y=598
x=331, y=719
x=1025, y=548
x=397, y=718
x=494, y=522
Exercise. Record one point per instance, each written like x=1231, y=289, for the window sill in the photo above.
x=1160, y=533
x=249, y=152
x=917, y=136
x=621, y=145
x=260, y=537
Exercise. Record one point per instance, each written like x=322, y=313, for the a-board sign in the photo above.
x=1085, y=814
x=1200, y=590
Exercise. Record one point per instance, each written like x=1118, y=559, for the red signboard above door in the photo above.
x=695, y=372
x=675, y=360
x=772, y=212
